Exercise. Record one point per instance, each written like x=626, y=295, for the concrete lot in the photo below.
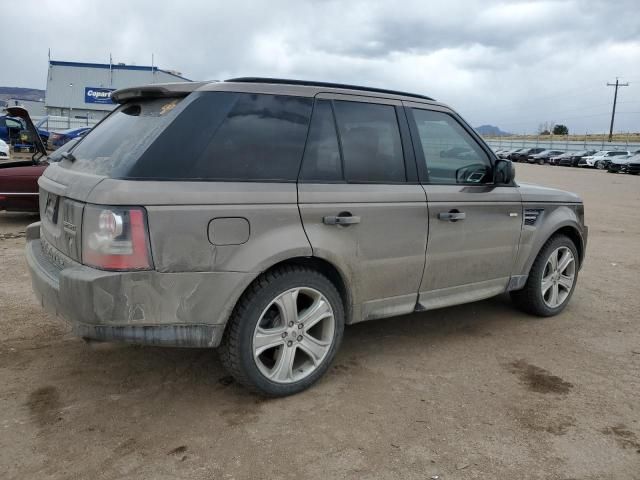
x=476, y=391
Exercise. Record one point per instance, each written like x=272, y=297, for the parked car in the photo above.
x=57, y=139
x=504, y=154
x=555, y=160
x=633, y=166
x=14, y=131
x=5, y=151
x=294, y=209
x=618, y=164
x=573, y=158
x=19, y=179
x=600, y=159
x=522, y=155
x=543, y=157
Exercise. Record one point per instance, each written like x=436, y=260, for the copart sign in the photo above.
x=98, y=95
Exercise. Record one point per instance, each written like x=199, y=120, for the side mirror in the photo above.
x=503, y=172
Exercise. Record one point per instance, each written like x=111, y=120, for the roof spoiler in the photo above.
x=158, y=90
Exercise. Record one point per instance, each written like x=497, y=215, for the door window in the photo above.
x=451, y=155
x=371, y=145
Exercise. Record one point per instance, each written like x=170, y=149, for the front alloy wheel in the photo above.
x=558, y=277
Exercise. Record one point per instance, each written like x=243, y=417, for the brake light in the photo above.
x=115, y=238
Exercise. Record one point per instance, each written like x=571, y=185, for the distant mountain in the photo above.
x=491, y=131
x=22, y=93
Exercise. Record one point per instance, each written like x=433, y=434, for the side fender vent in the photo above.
x=531, y=215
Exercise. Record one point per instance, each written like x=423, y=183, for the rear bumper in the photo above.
x=150, y=308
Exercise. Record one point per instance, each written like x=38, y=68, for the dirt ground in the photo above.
x=476, y=391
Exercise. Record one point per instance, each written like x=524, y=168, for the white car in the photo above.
x=4, y=150
x=601, y=159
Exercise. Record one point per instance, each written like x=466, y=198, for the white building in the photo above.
x=83, y=90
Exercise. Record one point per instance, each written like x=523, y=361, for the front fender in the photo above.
x=551, y=219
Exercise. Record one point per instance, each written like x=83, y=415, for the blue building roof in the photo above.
x=115, y=66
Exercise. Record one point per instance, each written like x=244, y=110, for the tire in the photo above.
x=541, y=162
x=531, y=298
x=265, y=304
x=599, y=165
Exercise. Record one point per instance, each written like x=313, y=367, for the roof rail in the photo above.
x=286, y=81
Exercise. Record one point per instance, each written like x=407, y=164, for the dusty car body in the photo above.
x=301, y=207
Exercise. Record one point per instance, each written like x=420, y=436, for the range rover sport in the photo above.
x=260, y=216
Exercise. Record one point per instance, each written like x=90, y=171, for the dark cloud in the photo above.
x=515, y=64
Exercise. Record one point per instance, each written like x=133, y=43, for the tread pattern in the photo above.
x=229, y=350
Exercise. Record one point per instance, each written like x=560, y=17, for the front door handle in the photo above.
x=343, y=218
x=452, y=216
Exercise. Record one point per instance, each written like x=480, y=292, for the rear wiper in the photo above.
x=69, y=156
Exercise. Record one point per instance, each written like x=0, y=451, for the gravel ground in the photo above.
x=476, y=391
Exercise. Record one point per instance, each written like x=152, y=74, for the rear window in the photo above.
x=206, y=136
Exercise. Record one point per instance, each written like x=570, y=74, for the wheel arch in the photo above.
x=321, y=265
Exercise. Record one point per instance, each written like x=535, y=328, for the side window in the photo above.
x=322, y=155
x=229, y=136
x=371, y=145
x=262, y=138
x=452, y=156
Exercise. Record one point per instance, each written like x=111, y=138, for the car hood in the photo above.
x=532, y=193
x=21, y=169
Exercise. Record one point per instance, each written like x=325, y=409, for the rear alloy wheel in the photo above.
x=552, y=279
x=284, y=332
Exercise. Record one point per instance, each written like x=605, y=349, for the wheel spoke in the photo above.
x=267, y=338
x=554, y=295
x=566, y=282
x=283, y=369
x=547, y=282
x=287, y=304
x=314, y=348
x=318, y=311
x=553, y=260
x=565, y=261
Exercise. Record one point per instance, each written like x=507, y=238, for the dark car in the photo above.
x=57, y=139
x=19, y=180
x=633, y=167
x=543, y=157
x=555, y=160
x=522, y=155
x=572, y=158
x=505, y=154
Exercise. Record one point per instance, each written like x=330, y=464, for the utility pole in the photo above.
x=615, y=99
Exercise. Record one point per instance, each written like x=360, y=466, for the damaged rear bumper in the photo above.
x=182, y=309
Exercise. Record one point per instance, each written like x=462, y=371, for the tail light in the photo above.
x=115, y=238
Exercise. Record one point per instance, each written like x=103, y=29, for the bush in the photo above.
x=560, y=130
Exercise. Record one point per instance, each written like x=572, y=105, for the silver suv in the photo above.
x=260, y=216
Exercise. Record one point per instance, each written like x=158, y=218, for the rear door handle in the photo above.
x=343, y=218
x=452, y=216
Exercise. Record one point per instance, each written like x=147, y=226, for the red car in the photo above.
x=19, y=180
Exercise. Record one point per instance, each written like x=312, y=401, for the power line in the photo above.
x=615, y=98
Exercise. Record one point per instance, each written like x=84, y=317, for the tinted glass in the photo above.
x=114, y=146
x=322, y=154
x=451, y=154
x=207, y=136
x=371, y=146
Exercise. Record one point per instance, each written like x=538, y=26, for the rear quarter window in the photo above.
x=222, y=136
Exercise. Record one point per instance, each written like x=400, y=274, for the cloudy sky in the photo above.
x=511, y=64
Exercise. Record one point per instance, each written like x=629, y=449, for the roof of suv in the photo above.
x=262, y=85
